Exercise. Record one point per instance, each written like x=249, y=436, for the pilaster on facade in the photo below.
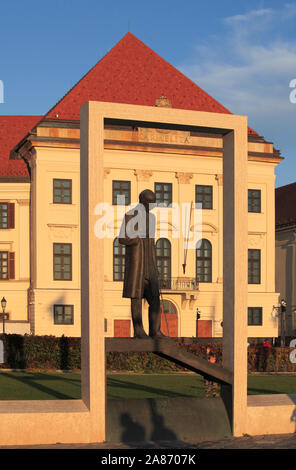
x=184, y=178
x=143, y=175
x=219, y=179
x=106, y=172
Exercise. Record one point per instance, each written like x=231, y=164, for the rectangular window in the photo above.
x=63, y=314
x=121, y=193
x=3, y=265
x=118, y=261
x=6, y=215
x=163, y=192
x=62, y=261
x=3, y=215
x=254, y=200
x=204, y=261
x=204, y=196
x=62, y=191
x=254, y=266
x=254, y=316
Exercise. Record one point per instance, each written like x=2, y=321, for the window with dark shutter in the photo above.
x=11, y=215
x=4, y=265
x=6, y=215
x=7, y=263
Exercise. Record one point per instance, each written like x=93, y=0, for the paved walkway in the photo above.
x=277, y=441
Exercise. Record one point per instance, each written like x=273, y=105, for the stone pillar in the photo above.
x=92, y=271
x=235, y=250
x=219, y=179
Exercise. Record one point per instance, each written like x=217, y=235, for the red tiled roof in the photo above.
x=285, y=204
x=12, y=131
x=133, y=73
x=130, y=73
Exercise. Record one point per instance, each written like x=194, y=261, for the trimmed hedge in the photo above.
x=63, y=353
x=260, y=359
x=41, y=352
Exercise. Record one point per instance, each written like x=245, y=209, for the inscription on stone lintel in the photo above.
x=164, y=136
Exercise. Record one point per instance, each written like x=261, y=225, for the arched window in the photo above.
x=166, y=306
x=118, y=260
x=203, y=261
x=163, y=259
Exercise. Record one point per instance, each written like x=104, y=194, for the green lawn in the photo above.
x=39, y=386
x=57, y=386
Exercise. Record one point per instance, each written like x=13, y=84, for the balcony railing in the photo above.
x=178, y=283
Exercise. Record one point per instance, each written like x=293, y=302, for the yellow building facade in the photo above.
x=184, y=168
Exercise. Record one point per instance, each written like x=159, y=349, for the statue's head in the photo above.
x=147, y=198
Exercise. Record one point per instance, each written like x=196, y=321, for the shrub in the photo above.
x=50, y=352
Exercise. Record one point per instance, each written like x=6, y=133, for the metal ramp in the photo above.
x=168, y=349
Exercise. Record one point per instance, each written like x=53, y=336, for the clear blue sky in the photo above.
x=242, y=53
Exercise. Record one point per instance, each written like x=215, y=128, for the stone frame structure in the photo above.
x=235, y=152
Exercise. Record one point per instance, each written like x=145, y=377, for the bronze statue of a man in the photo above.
x=141, y=277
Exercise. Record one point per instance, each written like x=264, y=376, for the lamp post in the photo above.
x=283, y=322
x=197, y=318
x=3, y=305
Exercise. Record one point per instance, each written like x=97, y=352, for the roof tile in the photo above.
x=130, y=73
x=133, y=73
x=12, y=130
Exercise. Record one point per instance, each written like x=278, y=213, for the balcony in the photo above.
x=178, y=284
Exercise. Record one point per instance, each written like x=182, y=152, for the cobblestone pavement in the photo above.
x=274, y=441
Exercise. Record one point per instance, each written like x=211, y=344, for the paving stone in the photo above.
x=267, y=441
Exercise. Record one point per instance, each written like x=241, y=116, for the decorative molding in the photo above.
x=23, y=202
x=106, y=172
x=165, y=225
x=219, y=179
x=61, y=231
x=62, y=225
x=26, y=151
x=163, y=102
x=184, y=178
x=255, y=239
x=7, y=245
x=204, y=228
x=143, y=175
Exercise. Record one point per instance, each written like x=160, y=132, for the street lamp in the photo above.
x=3, y=305
x=197, y=318
x=283, y=322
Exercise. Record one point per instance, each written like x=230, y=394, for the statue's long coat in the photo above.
x=133, y=285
